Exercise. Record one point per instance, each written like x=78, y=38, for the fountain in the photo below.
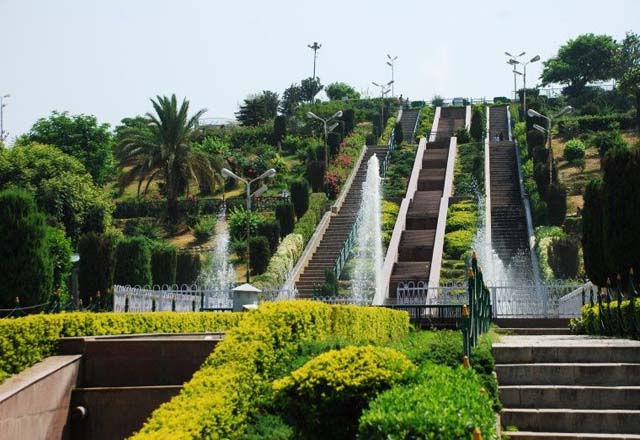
x=218, y=278
x=366, y=279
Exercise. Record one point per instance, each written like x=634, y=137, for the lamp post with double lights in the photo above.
x=524, y=65
x=384, y=89
x=513, y=60
x=327, y=129
x=547, y=131
x=226, y=173
x=391, y=63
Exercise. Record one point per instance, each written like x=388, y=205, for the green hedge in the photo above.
x=188, y=268
x=623, y=321
x=445, y=403
x=220, y=398
x=164, y=263
x=133, y=262
x=337, y=385
x=25, y=341
x=567, y=126
x=291, y=247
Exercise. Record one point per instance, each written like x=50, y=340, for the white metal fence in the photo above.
x=181, y=298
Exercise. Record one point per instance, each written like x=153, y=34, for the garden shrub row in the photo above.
x=612, y=321
x=291, y=247
x=442, y=403
x=568, y=126
x=27, y=340
x=221, y=397
x=462, y=220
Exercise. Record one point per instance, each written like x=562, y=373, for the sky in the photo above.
x=109, y=57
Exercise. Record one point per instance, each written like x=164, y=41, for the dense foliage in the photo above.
x=220, y=398
x=27, y=266
x=25, y=341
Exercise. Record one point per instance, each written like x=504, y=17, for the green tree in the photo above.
x=630, y=84
x=309, y=88
x=580, y=61
x=338, y=91
x=593, y=233
x=279, y=129
x=60, y=251
x=27, y=268
x=166, y=152
x=291, y=99
x=61, y=184
x=629, y=54
x=133, y=262
x=97, y=260
x=477, y=124
x=257, y=109
x=80, y=136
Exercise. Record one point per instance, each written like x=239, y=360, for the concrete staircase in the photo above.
x=408, y=123
x=569, y=387
x=340, y=226
x=508, y=222
x=415, y=250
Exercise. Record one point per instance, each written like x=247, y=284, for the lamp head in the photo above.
x=375, y=84
x=539, y=128
x=508, y=54
x=270, y=172
x=521, y=54
x=226, y=173
x=565, y=111
x=6, y=96
x=534, y=59
x=533, y=114
x=390, y=82
x=389, y=64
x=338, y=114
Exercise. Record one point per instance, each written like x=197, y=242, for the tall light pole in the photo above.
x=513, y=60
x=3, y=135
x=524, y=78
x=534, y=114
x=384, y=89
x=391, y=63
x=227, y=173
x=327, y=130
x=315, y=47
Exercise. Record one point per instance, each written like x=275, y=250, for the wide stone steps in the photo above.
x=408, y=123
x=565, y=386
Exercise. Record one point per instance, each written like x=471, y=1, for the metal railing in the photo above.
x=345, y=252
x=190, y=299
x=477, y=317
x=570, y=305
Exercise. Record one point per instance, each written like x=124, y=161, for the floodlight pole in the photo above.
x=2, y=106
x=384, y=89
x=391, y=63
x=315, y=47
x=513, y=60
x=312, y=115
x=524, y=79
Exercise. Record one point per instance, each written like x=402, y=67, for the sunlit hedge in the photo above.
x=613, y=321
x=218, y=401
x=25, y=341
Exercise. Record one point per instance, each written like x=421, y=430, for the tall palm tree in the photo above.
x=164, y=150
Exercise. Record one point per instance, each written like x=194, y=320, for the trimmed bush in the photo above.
x=444, y=403
x=337, y=386
x=456, y=243
x=286, y=218
x=574, y=150
x=270, y=229
x=333, y=141
x=563, y=258
x=240, y=220
x=348, y=116
x=25, y=341
x=463, y=136
x=217, y=402
x=607, y=140
x=282, y=262
x=535, y=139
x=133, y=262
x=203, y=230
x=60, y=251
x=279, y=128
x=557, y=204
x=398, y=135
x=164, y=263
x=260, y=253
x=611, y=320
x=477, y=123
x=299, y=190
x=306, y=226
x=97, y=262
x=27, y=267
x=598, y=122
x=188, y=268
x=593, y=239
x=315, y=174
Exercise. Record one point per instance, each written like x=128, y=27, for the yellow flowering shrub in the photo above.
x=336, y=386
x=27, y=340
x=237, y=376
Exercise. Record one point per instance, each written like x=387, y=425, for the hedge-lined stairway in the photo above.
x=340, y=225
x=417, y=241
x=509, y=238
x=569, y=387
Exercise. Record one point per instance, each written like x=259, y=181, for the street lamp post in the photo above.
x=391, y=63
x=384, y=89
x=327, y=130
x=533, y=114
x=513, y=60
x=226, y=173
x=3, y=135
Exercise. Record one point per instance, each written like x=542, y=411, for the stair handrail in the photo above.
x=345, y=252
x=391, y=146
x=487, y=180
x=347, y=185
x=477, y=315
x=535, y=267
x=415, y=126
